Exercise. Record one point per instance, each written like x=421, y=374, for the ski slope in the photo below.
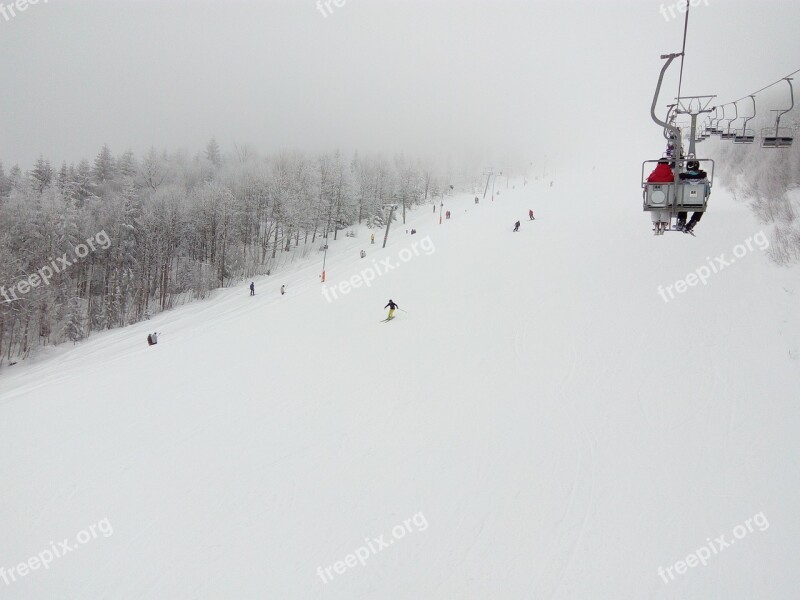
x=538, y=423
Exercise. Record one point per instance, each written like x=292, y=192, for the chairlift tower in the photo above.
x=693, y=106
x=489, y=174
x=391, y=208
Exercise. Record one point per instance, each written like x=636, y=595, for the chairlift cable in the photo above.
x=683, y=53
x=766, y=87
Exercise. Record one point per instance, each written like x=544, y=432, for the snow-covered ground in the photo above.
x=539, y=422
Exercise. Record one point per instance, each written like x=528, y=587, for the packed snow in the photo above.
x=542, y=419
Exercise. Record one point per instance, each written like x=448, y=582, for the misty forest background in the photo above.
x=181, y=226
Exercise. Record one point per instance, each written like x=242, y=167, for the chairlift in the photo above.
x=705, y=133
x=779, y=137
x=678, y=195
x=729, y=134
x=714, y=127
x=675, y=192
x=745, y=135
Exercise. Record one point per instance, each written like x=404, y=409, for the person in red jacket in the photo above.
x=662, y=173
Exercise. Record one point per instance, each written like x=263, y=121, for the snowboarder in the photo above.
x=391, y=306
x=516, y=226
x=152, y=338
x=283, y=290
x=372, y=239
x=252, y=288
x=530, y=214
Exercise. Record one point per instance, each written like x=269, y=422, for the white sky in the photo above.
x=499, y=77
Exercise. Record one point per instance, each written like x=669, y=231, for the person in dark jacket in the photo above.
x=693, y=174
x=391, y=306
x=516, y=226
x=152, y=338
x=252, y=288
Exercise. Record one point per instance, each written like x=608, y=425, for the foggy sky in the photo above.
x=498, y=78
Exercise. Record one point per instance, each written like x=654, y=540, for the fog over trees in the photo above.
x=160, y=230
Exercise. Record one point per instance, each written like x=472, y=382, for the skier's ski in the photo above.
x=385, y=320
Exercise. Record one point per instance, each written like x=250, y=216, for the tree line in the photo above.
x=179, y=226
x=769, y=180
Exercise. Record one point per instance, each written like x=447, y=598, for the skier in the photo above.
x=152, y=338
x=476, y=200
x=363, y=254
x=252, y=288
x=516, y=226
x=530, y=214
x=283, y=290
x=372, y=239
x=391, y=306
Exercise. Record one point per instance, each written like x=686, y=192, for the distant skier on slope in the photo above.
x=252, y=288
x=516, y=226
x=283, y=290
x=530, y=215
x=391, y=306
x=152, y=338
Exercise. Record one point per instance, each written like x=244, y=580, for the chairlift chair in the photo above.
x=713, y=128
x=730, y=134
x=678, y=195
x=745, y=135
x=779, y=137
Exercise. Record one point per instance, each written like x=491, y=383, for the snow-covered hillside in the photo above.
x=550, y=416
